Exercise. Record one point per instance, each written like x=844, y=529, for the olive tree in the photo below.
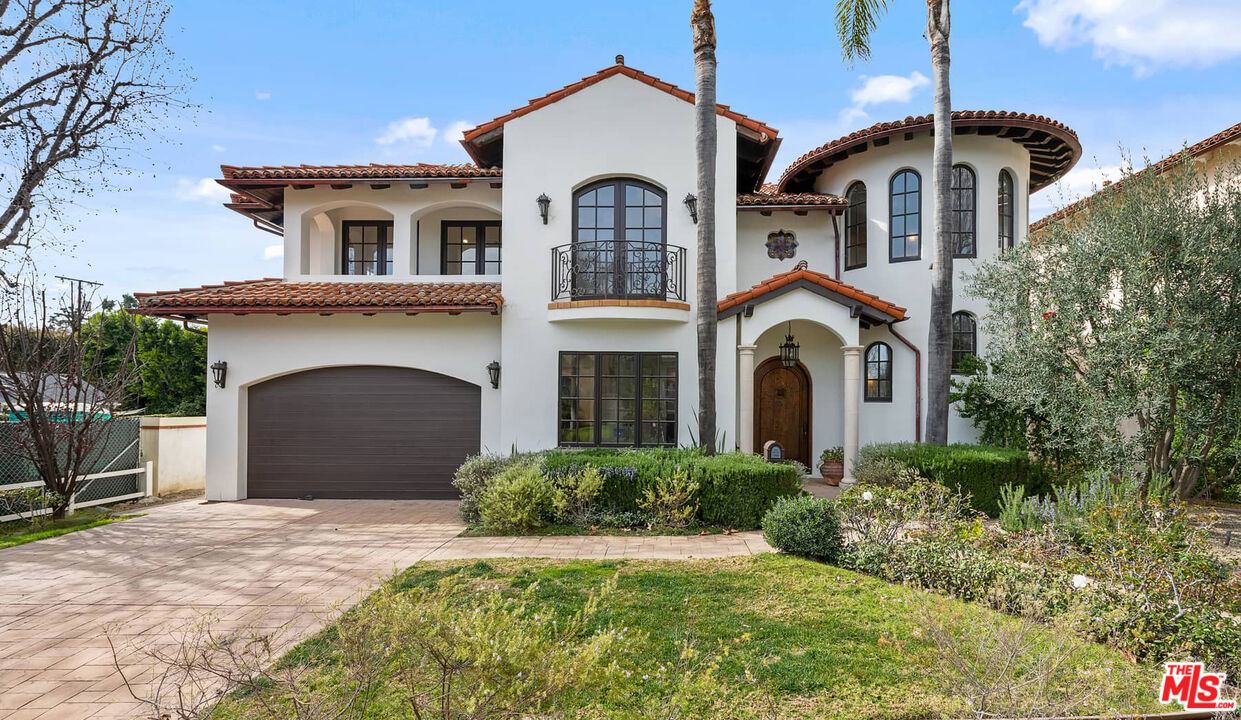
x=1120, y=326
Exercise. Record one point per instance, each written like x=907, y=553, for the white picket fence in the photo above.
x=143, y=483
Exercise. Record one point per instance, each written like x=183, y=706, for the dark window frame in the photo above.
x=960, y=214
x=480, y=253
x=598, y=398
x=855, y=225
x=1006, y=201
x=893, y=258
x=958, y=333
x=382, y=260
x=619, y=250
x=883, y=369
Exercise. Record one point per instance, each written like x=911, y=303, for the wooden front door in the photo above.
x=782, y=408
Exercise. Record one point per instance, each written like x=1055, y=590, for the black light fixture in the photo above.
x=691, y=203
x=543, y=202
x=219, y=369
x=493, y=370
x=790, y=351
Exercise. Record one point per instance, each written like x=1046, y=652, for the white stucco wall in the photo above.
x=260, y=347
x=616, y=128
x=176, y=447
x=815, y=244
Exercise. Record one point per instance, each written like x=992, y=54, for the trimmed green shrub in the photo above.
x=735, y=489
x=885, y=472
x=977, y=470
x=805, y=525
x=520, y=498
x=472, y=478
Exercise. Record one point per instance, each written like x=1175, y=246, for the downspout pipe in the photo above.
x=917, y=381
x=836, y=232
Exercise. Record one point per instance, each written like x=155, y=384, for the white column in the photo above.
x=402, y=245
x=853, y=382
x=745, y=368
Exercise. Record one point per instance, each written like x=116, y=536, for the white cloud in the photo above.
x=456, y=131
x=272, y=252
x=887, y=89
x=415, y=130
x=203, y=190
x=261, y=95
x=1143, y=34
x=218, y=148
x=1075, y=185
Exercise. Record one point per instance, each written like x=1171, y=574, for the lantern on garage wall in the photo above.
x=790, y=351
x=219, y=370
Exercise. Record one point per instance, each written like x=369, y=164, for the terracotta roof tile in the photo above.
x=275, y=296
x=1220, y=138
x=778, y=281
x=371, y=171
x=794, y=175
x=618, y=69
x=768, y=196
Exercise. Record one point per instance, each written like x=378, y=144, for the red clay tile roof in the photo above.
x=371, y=171
x=617, y=69
x=1052, y=145
x=275, y=296
x=1220, y=138
x=826, y=281
x=769, y=196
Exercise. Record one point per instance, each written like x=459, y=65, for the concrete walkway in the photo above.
x=259, y=563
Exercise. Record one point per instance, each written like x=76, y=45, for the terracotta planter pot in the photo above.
x=832, y=472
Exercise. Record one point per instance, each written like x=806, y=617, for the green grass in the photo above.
x=824, y=642
x=20, y=532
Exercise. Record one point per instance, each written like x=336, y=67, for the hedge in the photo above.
x=979, y=470
x=735, y=489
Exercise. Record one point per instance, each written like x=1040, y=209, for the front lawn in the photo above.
x=788, y=638
x=20, y=532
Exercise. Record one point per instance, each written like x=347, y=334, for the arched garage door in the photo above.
x=360, y=432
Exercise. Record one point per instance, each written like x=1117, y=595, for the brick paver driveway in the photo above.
x=265, y=562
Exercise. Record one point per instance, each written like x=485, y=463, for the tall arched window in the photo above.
x=964, y=339
x=905, y=216
x=878, y=373
x=855, y=227
x=619, y=236
x=963, y=218
x=1007, y=208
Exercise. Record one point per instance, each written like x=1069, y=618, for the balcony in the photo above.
x=618, y=279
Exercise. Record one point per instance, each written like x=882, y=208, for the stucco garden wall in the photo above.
x=176, y=447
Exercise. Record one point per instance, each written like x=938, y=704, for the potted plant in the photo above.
x=832, y=465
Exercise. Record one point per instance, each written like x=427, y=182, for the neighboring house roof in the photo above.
x=871, y=306
x=769, y=198
x=272, y=296
x=1054, y=148
x=485, y=142
x=258, y=192
x=1202, y=147
x=56, y=391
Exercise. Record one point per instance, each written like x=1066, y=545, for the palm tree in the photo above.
x=855, y=21
x=703, y=24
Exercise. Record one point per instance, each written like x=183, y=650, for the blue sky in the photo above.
x=351, y=81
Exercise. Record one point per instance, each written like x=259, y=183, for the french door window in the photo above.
x=618, y=399
x=366, y=247
x=620, y=240
x=470, y=247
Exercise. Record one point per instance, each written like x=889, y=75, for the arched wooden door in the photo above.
x=782, y=408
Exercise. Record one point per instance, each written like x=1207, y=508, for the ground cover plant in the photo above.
x=22, y=531
x=766, y=636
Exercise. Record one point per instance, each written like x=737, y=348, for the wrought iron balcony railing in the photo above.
x=620, y=269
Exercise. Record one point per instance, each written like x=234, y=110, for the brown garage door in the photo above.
x=360, y=432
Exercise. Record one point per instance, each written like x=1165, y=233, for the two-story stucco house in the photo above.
x=544, y=295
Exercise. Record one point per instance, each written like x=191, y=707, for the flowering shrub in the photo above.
x=805, y=525
x=519, y=498
x=576, y=495
x=885, y=471
x=672, y=502
x=476, y=473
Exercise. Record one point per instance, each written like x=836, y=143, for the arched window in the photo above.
x=855, y=227
x=905, y=216
x=1007, y=208
x=964, y=339
x=619, y=236
x=878, y=373
x=963, y=218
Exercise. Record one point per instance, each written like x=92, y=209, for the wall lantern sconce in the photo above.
x=219, y=369
x=691, y=203
x=543, y=202
x=493, y=371
x=790, y=351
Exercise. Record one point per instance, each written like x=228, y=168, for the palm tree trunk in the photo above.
x=939, y=343
x=703, y=24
